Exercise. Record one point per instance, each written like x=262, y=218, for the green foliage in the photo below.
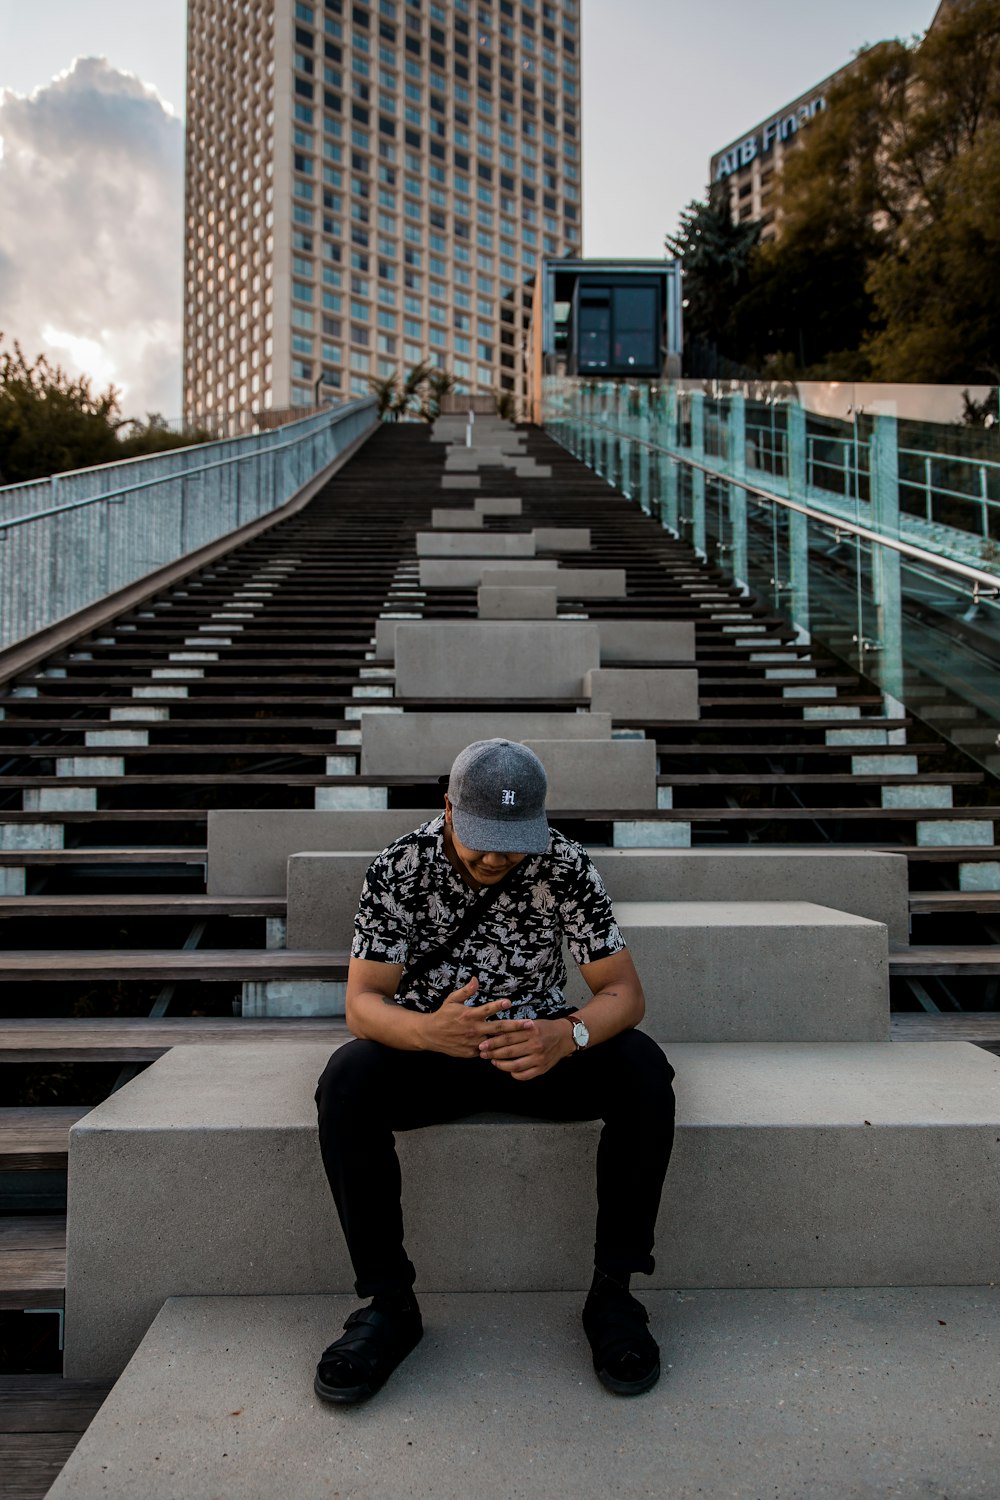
x=715, y=256
x=417, y=394
x=50, y=422
x=889, y=211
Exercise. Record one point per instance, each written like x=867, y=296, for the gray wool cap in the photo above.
x=497, y=790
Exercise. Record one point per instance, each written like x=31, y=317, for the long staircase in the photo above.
x=242, y=689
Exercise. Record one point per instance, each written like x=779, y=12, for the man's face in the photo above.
x=485, y=866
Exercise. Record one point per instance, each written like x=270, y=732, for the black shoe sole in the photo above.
x=629, y=1387
x=351, y=1395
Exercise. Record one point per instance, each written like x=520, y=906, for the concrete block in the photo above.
x=917, y=794
x=796, y=1164
x=91, y=765
x=518, y=603
x=643, y=692
x=981, y=875
x=494, y=659
x=17, y=836
x=624, y=642
x=639, y=834
x=425, y=744
x=360, y=798
x=109, y=738
x=765, y=1384
x=562, y=538
x=460, y=482
x=323, y=887
x=756, y=971
x=942, y=832
x=594, y=775
x=494, y=544
x=467, y=572
x=248, y=850
x=572, y=583
x=60, y=799
x=451, y=518
x=12, y=880
x=499, y=505
x=868, y=883
x=291, y=998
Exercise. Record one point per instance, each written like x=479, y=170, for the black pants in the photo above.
x=367, y=1091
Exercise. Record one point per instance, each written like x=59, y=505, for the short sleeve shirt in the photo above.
x=413, y=897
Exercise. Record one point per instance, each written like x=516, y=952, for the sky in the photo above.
x=92, y=163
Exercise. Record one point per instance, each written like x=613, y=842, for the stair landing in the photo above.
x=804, y=1395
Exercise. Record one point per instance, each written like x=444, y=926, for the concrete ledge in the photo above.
x=591, y=775
x=562, y=538
x=625, y=641
x=795, y=1165
x=572, y=583
x=483, y=544
x=825, y=1393
x=248, y=850
x=643, y=692
x=467, y=572
x=518, y=603
x=501, y=505
x=494, y=659
x=866, y=882
x=454, y=518
x=425, y=744
x=755, y=971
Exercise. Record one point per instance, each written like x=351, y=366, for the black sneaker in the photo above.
x=626, y=1356
x=360, y=1362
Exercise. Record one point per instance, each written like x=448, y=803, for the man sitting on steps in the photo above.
x=455, y=995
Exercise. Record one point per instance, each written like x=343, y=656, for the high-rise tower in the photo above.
x=370, y=185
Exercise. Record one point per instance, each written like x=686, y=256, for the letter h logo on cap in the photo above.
x=507, y=798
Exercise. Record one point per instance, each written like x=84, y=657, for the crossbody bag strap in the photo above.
x=471, y=918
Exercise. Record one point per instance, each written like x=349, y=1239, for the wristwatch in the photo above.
x=581, y=1036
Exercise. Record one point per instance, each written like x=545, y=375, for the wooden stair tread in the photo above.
x=36, y=1138
x=141, y=906
x=143, y=1039
x=29, y=966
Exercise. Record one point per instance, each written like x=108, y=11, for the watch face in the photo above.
x=581, y=1035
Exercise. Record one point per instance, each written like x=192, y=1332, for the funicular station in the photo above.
x=752, y=633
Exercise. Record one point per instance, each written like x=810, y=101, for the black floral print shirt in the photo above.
x=413, y=897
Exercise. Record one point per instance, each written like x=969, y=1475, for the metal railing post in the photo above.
x=698, y=476
x=737, y=424
x=883, y=464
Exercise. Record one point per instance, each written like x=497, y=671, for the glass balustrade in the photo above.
x=868, y=516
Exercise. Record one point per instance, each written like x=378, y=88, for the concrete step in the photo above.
x=755, y=971
x=795, y=1165
x=820, y=1394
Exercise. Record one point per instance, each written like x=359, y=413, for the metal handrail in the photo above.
x=144, y=484
x=978, y=576
x=175, y=474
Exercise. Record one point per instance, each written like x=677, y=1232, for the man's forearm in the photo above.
x=374, y=1018
x=611, y=1011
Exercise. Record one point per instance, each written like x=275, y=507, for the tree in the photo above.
x=418, y=394
x=49, y=422
x=715, y=254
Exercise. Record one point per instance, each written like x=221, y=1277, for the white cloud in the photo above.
x=91, y=231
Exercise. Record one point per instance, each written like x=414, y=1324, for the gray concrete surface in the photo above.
x=837, y=1164
x=500, y=544
x=518, y=603
x=499, y=505
x=494, y=659
x=248, y=849
x=572, y=583
x=869, y=883
x=594, y=775
x=853, y=1394
x=467, y=572
x=452, y=518
x=756, y=971
x=625, y=641
x=425, y=744
x=323, y=890
x=562, y=538
x=643, y=692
